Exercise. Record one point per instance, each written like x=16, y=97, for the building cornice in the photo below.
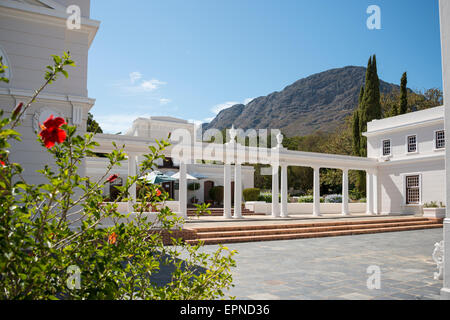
x=55, y=16
x=405, y=126
x=410, y=160
x=46, y=97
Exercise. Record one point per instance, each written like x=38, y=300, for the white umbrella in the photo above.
x=188, y=176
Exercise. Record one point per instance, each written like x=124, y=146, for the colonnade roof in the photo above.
x=242, y=154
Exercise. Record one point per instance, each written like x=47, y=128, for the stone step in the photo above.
x=303, y=235
x=310, y=224
x=309, y=229
x=216, y=212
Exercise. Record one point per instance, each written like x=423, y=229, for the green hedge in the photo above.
x=309, y=199
x=251, y=194
x=193, y=186
x=216, y=193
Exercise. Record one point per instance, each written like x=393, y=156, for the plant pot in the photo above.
x=438, y=213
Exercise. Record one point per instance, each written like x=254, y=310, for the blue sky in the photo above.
x=190, y=59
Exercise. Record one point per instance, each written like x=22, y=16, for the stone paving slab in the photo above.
x=336, y=268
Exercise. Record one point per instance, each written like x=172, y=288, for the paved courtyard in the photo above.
x=336, y=267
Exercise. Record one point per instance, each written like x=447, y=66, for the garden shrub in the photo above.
x=52, y=234
x=251, y=194
x=333, y=198
x=216, y=193
x=193, y=186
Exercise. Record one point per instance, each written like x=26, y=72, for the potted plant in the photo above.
x=434, y=210
x=194, y=199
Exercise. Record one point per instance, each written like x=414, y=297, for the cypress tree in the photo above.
x=403, y=108
x=371, y=105
x=356, y=133
x=356, y=124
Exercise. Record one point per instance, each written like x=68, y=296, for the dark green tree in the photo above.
x=370, y=107
x=92, y=125
x=403, y=107
x=356, y=133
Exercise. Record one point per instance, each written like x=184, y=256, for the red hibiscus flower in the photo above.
x=52, y=133
x=158, y=192
x=2, y=163
x=112, y=178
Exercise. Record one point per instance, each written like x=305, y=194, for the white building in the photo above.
x=406, y=154
x=30, y=32
x=410, y=149
x=207, y=175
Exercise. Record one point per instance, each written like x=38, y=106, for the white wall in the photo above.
x=28, y=40
x=306, y=208
x=392, y=185
x=425, y=141
x=444, y=13
x=428, y=162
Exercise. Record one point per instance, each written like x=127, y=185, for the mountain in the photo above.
x=319, y=102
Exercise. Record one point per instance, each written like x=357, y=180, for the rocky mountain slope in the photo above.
x=319, y=102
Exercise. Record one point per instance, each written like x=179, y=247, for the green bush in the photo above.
x=309, y=199
x=216, y=193
x=193, y=186
x=306, y=199
x=251, y=194
x=265, y=197
x=55, y=244
x=432, y=204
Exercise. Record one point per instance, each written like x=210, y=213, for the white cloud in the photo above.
x=136, y=84
x=115, y=123
x=135, y=76
x=217, y=108
x=150, y=85
x=164, y=101
x=248, y=100
x=209, y=119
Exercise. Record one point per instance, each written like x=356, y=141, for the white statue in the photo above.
x=233, y=134
x=279, y=139
x=438, y=257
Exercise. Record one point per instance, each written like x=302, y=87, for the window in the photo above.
x=439, y=139
x=412, y=189
x=386, y=147
x=412, y=143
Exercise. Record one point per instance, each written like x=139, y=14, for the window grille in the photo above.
x=412, y=190
x=386, y=147
x=440, y=139
x=412, y=144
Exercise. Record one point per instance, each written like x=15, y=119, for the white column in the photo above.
x=227, y=191
x=316, y=206
x=444, y=13
x=369, y=192
x=345, y=210
x=375, y=193
x=284, y=192
x=183, y=190
x=131, y=173
x=237, y=191
x=275, y=192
